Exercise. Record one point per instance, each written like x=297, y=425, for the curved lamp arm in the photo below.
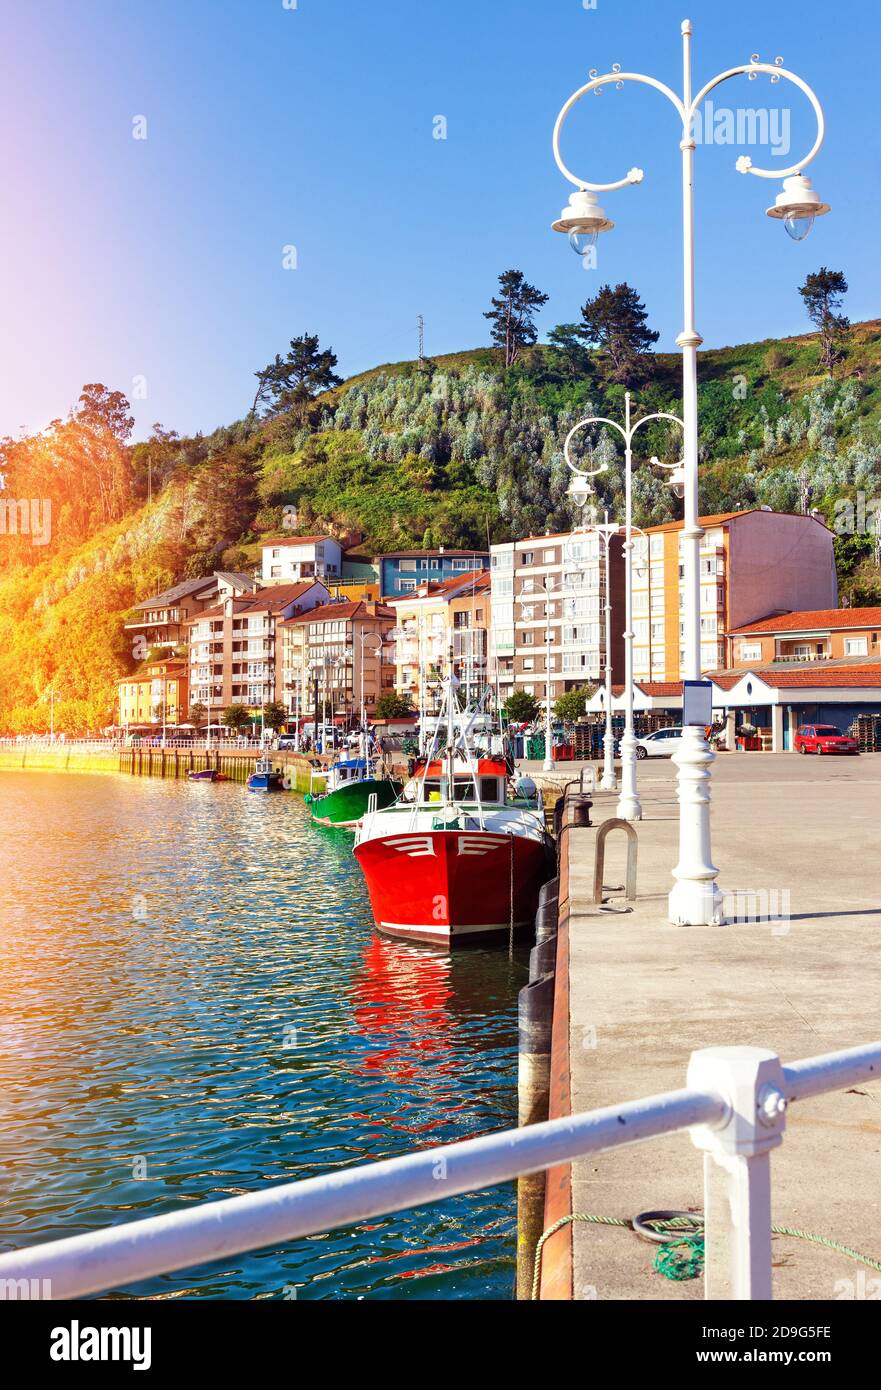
x=625, y=433
x=744, y=163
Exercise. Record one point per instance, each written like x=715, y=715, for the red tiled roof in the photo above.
x=445, y=588
x=342, y=612
x=812, y=618
x=845, y=676
x=440, y=555
x=716, y=519
x=822, y=675
x=720, y=518
x=271, y=599
x=652, y=688
x=480, y=583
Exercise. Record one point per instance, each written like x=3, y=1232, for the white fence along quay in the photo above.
x=735, y=1106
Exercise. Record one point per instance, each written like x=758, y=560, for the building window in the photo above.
x=548, y=557
x=750, y=651
x=528, y=557
x=856, y=646
x=407, y=586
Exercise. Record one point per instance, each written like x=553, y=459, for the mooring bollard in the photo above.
x=600, y=859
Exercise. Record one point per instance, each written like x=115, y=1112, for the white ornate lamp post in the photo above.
x=363, y=637
x=695, y=898
x=609, y=781
x=629, y=807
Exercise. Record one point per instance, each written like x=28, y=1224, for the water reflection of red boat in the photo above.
x=402, y=996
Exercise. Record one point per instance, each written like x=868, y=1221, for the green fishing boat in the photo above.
x=349, y=787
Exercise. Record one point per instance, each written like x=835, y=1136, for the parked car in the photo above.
x=824, y=738
x=663, y=743
x=287, y=741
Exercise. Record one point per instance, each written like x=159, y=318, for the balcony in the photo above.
x=802, y=657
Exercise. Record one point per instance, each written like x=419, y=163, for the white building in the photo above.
x=291, y=559
x=573, y=608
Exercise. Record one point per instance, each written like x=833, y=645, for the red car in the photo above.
x=824, y=738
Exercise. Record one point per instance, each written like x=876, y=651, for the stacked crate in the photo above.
x=866, y=729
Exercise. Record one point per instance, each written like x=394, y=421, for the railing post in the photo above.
x=737, y=1167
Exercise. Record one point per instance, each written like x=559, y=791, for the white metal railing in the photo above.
x=735, y=1106
x=803, y=660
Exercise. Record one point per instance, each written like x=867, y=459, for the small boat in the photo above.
x=207, y=774
x=265, y=778
x=462, y=856
x=349, y=786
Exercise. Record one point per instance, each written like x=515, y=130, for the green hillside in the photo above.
x=456, y=450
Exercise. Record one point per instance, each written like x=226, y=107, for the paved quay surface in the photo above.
x=645, y=994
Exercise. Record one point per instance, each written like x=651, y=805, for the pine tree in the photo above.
x=615, y=322
x=513, y=313
x=291, y=383
x=823, y=293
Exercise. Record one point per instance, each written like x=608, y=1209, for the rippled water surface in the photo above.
x=194, y=1003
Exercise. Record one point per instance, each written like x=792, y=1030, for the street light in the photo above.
x=629, y=807
x=695, y=898
x=362, y=637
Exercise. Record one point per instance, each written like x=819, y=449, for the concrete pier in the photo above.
x=797, y=844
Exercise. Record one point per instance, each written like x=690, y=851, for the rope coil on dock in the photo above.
x=688, y=1264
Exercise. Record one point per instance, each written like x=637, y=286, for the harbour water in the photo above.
x=194, y=1004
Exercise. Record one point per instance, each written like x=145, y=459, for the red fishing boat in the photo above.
x=461, y=857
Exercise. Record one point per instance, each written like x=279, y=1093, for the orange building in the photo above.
x=751, y=563
x=825, y=634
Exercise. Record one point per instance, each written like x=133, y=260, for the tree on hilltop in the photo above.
x=513, y=314
x=823, y=293
x=616, y=323
x=291, y=383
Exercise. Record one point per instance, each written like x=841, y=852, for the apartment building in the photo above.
x=292, y=559
x=427, y=622
x=469, y=617
x=751, y=563
x=826, y=634
x=404, y=571
x=233, y=646
x=334, y=656
x=156, y=694
x=161, y=621
x=570, y=610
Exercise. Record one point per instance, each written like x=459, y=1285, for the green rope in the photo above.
x=680, y=1258
x=688, y=1262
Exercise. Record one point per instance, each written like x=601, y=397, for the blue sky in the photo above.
x=312, y=127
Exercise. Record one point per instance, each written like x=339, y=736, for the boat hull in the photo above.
x=266, y=782
x=344, y=807
x=454, y=887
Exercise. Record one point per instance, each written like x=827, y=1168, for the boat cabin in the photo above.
x=350, y=770
x=430, y=784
